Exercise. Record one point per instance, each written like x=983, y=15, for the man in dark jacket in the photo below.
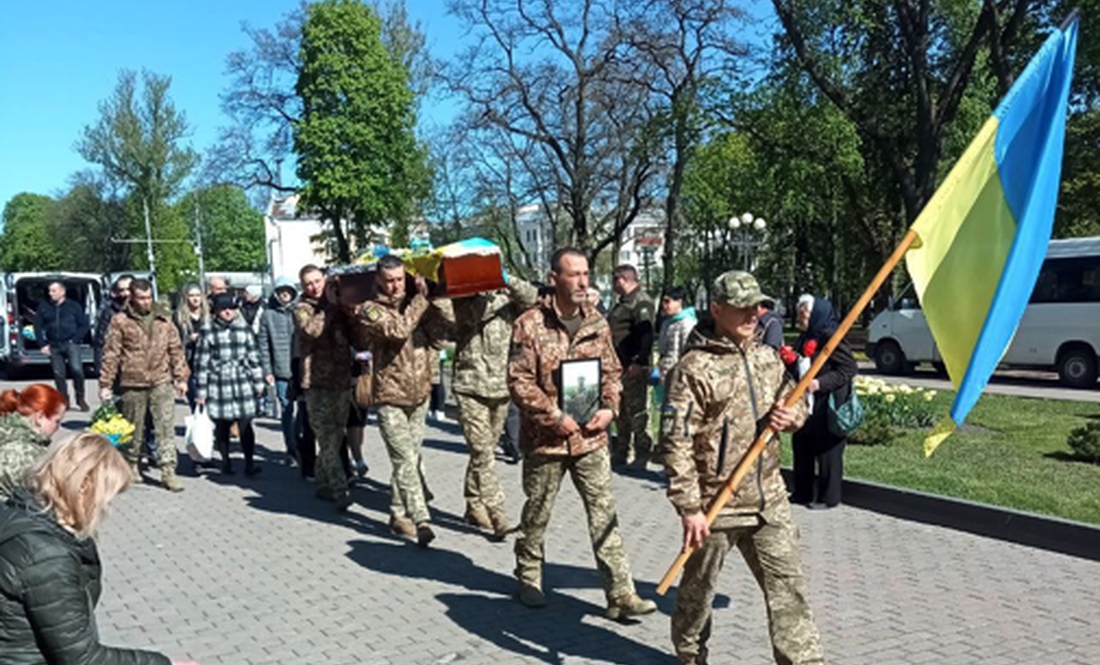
x=631, y=321
x=120, y=295
x=276, y=341
x=61, y=325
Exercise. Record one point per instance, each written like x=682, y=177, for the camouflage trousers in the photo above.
x=328, y=416
x=591, y=474
x=403, y=431
x=159, y=403
x=770, y=548
x=482, y=423
x=632, y=440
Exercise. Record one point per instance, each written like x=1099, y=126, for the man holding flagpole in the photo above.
x=726, y=388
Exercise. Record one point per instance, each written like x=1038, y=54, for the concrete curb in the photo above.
x=1015, y=526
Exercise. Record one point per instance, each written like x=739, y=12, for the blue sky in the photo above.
x=60, y=58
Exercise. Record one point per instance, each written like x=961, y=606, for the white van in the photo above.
x=1060, y=329
x=20, y=294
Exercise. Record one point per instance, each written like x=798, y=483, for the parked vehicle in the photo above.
x=20, y=296
x=1060, y=329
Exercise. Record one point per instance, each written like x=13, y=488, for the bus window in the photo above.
x=1068, y=280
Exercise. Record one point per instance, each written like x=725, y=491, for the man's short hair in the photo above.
x=625, y=270
x=675, y=293
x=142, y=285
x=557, y=256
x=58, y=282
x=120, y=279
x=308, y=268
x=390, y=262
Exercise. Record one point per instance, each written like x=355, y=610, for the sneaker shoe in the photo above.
x=361, y=469
x=477, y=516
x=84, y=406
x=424, y=535
x=253, y=470
x=402, y=526
x=531, y=596
x=629, y=606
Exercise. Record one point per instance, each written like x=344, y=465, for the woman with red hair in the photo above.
x=28, y=418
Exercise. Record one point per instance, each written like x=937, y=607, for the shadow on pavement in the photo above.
x=552, y=634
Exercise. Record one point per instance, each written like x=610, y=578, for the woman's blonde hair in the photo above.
x=77, y=478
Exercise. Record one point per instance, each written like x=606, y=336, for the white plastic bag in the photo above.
x=200, y=435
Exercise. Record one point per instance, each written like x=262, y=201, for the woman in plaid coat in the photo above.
x=230, y=378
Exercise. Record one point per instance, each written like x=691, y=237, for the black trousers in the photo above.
x=248, y=438
x=60, y=356
x=816, y=449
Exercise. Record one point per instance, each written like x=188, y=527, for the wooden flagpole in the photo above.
x=758, y=447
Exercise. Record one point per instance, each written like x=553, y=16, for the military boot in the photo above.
x=499, y=520
x=424, y=535
x=629, y=606
x=477, y=516
x=402, y=526
x=169, y=481
x=135, y=474
x=531, y=596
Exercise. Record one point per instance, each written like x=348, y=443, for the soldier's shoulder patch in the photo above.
x=645, y=311
x=372, y=314
x=668, y=420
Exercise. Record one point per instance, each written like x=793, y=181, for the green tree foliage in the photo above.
x=137, y=141
x=358, y=157
x=27, y=243
x=88, y=217
x=232, y=230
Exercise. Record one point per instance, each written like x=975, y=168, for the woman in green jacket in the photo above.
x=49, y=565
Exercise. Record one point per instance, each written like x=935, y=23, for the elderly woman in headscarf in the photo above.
x=815, y=445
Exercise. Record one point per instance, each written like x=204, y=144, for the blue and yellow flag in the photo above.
x=982, y=237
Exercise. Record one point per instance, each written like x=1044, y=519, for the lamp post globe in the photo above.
x=734, y=223
x=747, y=218
x=759, y=224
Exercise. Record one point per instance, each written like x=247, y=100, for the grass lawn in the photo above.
x=1011, y=452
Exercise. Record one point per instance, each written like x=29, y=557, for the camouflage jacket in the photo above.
x=709, y=422
x=539, y=345
x=402, y=347
x=631, y=321
x=483, y=331
x=20, y=446
x=141, y=359
x=322, y=334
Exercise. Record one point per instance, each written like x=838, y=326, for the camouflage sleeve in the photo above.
x=202, y=375
x=439, y=330
x=386, y=324
x=611, y=374
x=523, y=382
x=111, y=351
x=524, y=294
x=177, y=364
x=681, y=417
x=309, y=321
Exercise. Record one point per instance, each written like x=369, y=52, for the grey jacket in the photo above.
x=276, y=339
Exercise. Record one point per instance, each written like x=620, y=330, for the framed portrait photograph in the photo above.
x=579, y=388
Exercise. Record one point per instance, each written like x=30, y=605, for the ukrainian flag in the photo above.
x=982, y=237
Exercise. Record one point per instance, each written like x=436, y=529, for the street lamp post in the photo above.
x=743, y=228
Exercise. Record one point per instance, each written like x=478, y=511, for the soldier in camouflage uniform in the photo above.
x=401, y=338
x=321, y=330
x=567, y=328
x=726, y=387
x=631, y=321
x=144, y=353
x=483, y=329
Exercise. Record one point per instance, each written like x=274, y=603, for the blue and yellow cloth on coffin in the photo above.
x=982, y=238
x=425, y=261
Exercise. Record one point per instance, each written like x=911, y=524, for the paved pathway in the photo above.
x=251, y=571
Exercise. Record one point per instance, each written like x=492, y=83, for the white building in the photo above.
x=289, y=235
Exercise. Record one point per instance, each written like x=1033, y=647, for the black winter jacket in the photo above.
x=60, y=324
x=49, y=587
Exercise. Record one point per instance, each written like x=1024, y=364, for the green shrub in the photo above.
x=1085, y=442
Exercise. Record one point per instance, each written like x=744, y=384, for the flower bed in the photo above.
x=889, y=409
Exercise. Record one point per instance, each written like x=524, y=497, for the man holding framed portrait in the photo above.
x=564, y=376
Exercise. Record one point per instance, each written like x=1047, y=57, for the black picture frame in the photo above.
x=580, y=388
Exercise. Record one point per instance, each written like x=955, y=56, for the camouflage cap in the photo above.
x=739, y=289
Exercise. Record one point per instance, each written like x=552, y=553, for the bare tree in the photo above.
x=546, y=82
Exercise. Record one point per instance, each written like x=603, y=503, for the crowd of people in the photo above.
x=323, y=359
